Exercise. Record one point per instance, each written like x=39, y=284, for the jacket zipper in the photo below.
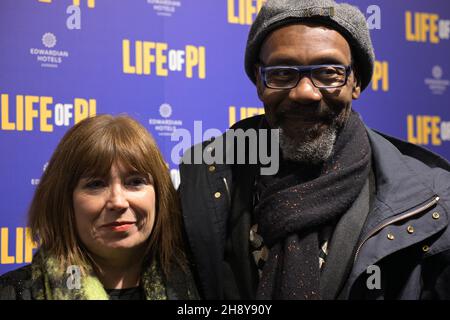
x=416, y=211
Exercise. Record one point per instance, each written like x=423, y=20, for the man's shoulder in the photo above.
x=410, y=151
x=408, y=163
x=249, y=123
x=20, y=274
x=15, y=284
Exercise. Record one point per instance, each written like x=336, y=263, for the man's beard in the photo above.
x=310, y=150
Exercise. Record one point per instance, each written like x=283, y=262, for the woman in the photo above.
x=107, y=219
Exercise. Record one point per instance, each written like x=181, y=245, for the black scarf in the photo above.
x=294, y=207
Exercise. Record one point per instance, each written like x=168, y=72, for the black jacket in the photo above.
x=405, y=233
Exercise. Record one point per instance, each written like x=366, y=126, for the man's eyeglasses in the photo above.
x=323, y=76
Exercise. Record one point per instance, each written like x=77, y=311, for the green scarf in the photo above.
x=51, y=282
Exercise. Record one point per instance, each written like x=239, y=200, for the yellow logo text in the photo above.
x=426, y=27
x=90, y=3
x=243, y=11
x=244, y=112
x=156, y=58
x=380, y=75
x=28, y=113
x=424, y=129
x=24, y=246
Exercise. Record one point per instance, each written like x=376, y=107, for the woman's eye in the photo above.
x=137, y=181
x=95, y=184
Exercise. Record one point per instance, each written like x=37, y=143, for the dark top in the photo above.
x=125, y=294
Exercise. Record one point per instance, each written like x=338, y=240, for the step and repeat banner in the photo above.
x=178, y=65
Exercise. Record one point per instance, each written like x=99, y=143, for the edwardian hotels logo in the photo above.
x=47, y=56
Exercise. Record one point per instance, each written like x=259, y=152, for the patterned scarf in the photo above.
x=51, y=282
x=295, y=207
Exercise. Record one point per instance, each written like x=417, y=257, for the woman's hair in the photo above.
x=89, y=149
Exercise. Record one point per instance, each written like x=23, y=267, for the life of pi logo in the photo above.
x=23, y=248
x=426, y=27
x=426, y=129
x=156, y=58
x=40, y=113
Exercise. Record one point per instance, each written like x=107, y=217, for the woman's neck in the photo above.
x=119, y=272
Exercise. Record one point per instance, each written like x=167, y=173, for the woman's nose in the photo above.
x=117, y=199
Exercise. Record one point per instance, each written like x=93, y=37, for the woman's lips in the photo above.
x=119, y=226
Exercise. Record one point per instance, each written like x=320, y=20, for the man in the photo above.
x=351, y=213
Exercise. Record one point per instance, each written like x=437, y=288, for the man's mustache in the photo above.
x=316, y=112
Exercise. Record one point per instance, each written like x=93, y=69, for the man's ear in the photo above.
x=259, y=82
x=356, y=89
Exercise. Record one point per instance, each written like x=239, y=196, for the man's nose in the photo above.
x=305, y=92
x=117, y=199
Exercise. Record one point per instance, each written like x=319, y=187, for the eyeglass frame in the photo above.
x=304, y=70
